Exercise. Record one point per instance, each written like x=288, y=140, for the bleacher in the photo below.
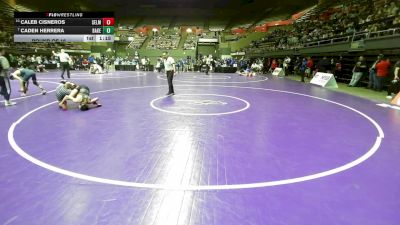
x=190, y=42
x=137, y=41
x=340, y=23
x=166, y=40
x=208, y=35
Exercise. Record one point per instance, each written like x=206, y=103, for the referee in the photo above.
x=169, y=64
x=64, y=62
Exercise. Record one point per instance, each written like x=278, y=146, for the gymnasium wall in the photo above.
x=101, y=47
x=244, y=42
x=153, y=54
x=207, y=50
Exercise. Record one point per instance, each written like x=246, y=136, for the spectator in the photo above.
x=392, y=10
x=158, y=65
x=274, y=64
x=286, y=63
x=5, y=87
x=337, y=21
x=358, y=70
x=372, y=72
x=91, y=59
x=297, y=65
x=394, y=87
x=382, y=71
x=85, y=64
x=303, y=69
x=309, y=67
x=323, y=65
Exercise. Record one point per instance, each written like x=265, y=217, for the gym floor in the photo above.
x=225, y=149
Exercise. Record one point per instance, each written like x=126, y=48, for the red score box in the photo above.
x=108, y=21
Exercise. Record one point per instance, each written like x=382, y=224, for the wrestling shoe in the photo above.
x=9, y=103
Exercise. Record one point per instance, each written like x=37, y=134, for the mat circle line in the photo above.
x=326, y=173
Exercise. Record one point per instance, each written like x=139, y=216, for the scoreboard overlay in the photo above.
x=64, y=26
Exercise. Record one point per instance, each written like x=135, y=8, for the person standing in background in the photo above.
x=274, y=64
x=286, y=63
x=143, y=63
x=303, y=68
x=372, y=72
x=169, y=65
x=338, y=67
x=64, y=61
x=359, y=69
x=309, y=67
x=209, y=61
x=382, y=71
x=324, y=65
x=4, y=80
x=394, y=87
x=178, y=66
x=297, y=65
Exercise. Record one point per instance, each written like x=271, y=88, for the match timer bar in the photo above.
x=63, y=38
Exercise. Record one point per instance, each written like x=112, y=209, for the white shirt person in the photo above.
x=64, y=61
x=169, y=65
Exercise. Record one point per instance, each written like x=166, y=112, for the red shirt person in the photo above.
x=274, y=64
x=382, y=71
x=382, y=68
x=310, y=65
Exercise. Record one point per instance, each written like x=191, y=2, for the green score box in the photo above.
x=108, y=30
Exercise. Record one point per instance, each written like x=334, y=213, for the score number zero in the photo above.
x=103, y=21
x=104, y=30
x=108, y=26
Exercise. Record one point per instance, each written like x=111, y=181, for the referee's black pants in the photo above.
x=65, y=67
x=170, y=77
x=207, y=69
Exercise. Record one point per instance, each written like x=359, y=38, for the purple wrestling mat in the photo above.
x=225, y=149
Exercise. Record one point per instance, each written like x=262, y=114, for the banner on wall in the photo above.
x=226, y=56
x=238, y=53
x=208, y=40
x=324, y=80
x=77, y=51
